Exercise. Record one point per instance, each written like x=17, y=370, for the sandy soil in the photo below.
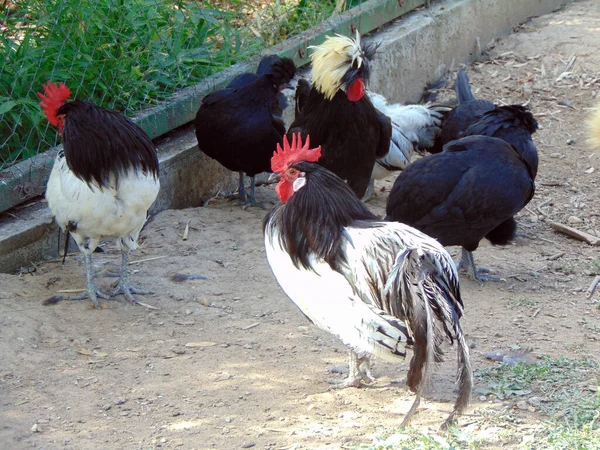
x=229, y=362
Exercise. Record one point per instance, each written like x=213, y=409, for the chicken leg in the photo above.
x=359, y=371
x=125, y=287
x=92, y=292
x=244, y=200
x=467, y=263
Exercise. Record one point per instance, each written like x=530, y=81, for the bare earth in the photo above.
x=229, y=362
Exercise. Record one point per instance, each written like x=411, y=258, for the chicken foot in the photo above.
x=125, y=287
x=92, y=292
x=359, y=371
x=467, y=264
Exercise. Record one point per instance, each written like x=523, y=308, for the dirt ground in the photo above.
x=229, y=362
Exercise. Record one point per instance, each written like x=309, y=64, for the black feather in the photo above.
x=100, y=143
x=240, y=127
x=313, y=219
x=462, y=194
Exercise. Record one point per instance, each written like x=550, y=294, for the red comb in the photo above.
x=294, y=153
x=54, y=99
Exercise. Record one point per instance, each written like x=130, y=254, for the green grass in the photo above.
x=569, y=404
x=126, y=54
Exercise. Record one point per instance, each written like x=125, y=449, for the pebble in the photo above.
x=120, y=401
x=570, y=141
x=106, y=407
x=35, y=428
x=522, y=404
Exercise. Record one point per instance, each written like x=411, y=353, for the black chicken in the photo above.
x=338, y=115
x=474, y=187
x=239, y=126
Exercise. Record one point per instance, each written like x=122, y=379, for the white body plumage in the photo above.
x=349, y=305
x=114, y=211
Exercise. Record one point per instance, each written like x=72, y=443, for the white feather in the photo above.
x=111, y=212
x=352, y=312
x=411, y=126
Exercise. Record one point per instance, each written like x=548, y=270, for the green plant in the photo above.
x=125, y=55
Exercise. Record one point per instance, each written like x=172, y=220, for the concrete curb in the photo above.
x=415, y=49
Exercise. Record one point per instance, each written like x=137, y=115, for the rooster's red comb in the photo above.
x=55, y=96
x=294, y=153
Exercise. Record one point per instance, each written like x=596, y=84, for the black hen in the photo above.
x=240, y=126
x=469, y=191
x=337, y=114
x=264, y=66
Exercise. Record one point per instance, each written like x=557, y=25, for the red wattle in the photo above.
x=284, y=190
x=356, y=90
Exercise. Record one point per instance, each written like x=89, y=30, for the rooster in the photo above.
x=338, y=115
x=239, y=126
x=380, y=287
x=102, y=183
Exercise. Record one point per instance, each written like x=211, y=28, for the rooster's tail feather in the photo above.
x=433, y=307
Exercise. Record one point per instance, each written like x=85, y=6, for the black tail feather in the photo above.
x=433, y=308
x=462, y=88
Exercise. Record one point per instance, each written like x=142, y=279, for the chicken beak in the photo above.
x=274, y=178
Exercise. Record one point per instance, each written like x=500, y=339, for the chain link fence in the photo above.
x=127, y=54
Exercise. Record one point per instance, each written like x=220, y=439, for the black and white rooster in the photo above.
x=102, y=183
x=380, y=287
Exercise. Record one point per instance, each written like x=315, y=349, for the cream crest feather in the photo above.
x=332, y=59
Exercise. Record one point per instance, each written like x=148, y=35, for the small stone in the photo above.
x=472, y=345
x=35, y=428
x=188, y=312
x=106, y=407
x=554, y=155
x=120, y=401
x=248, y=445
x=574, y=219
x=482, y=398
x=535, y=401
x=570, y=141
x=522, y=405
x=163, y=440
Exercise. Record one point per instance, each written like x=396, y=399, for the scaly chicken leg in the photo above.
x=125, y=287
x=359, y=371
x=92, y=292
x=467, y=263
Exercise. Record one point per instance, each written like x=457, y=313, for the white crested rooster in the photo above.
x=414, y=127
x=380, y=287
x=102, y=184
